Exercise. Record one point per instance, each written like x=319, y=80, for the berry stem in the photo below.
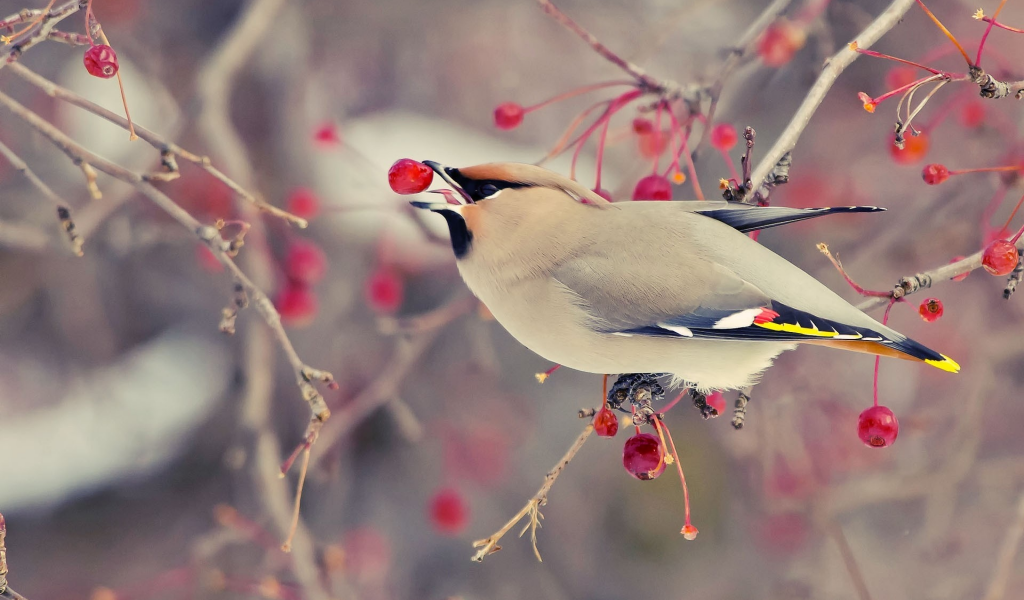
x=563, y=142
x=839, y=267
x=287, y=545
x=904, y=88
x=604, y=391
x=679, y=467
x=949, y=35
x=31, y=24
x=542, y=377
x=124, y=99
x=616, y=105
x=991, y=21
x=859, y=50
x=684, y=148
x=1010, y=219
x=659, y=133
x=878, y=357
x=993, y=205
x=987, y=169
x=600, y=155
x=576, y=92
x=731, y=164
x=676, y=401
x=984, y=36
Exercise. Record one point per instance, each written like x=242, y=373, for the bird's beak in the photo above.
x=446, y=174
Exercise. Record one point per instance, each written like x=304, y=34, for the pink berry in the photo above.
x=934, y=174
x=449, y=512
x=297, y=305
x=606, y=424
x=972, y=114
x=962, y=276
x=508, y=115
x=367, y=553
x=652, y=143
x=408, y=176
x=724, y=137
x=1000, y=258
x=716, y=401
x=642, y=456
x=327, y=134
x=930, y=310
x=877, y=427
x=780, y=42
x=603, y=193
x=385, y=291
x=303, y=202
x=914, y=149
x=898, y=77
x=305, y=262
x=642, y=125
x=101, y=61
x=653, y=187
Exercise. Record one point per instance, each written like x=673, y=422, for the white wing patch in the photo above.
x=744, y=318
x=683, y=331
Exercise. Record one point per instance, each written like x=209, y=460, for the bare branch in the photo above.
x=835, y=66
x=41, y=30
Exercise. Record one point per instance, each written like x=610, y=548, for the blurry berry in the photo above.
x=604, y=194
x=101, y=61
x=642, y=456
x=934, y=174
x=898, y=77
x=385, y=291
x=303, y=202
x=327, y=134
x=716, y=401
x=972, y=114
x=642, y=125
x=877, y=427
x=782, y=533
x=914, y=149
x=652, y=143
x=367, y=553
x=449, y=512
x=508, y=116
x=1000, y=258
x=305, y=262
x=724, y=137
x=780, y=42
x=930, y=310
x=408, y=176
x=297, y=305
x=962, y=276
x=606, y=424
x=653, y=187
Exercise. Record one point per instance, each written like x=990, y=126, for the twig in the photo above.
x=835, y=66
x=836, y=532
x=153, y=139
x=1007, y=554
x=489, y=545
x=63, y=212
x=1014, y=280
x=42, y=29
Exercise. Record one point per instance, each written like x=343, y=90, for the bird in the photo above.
x=666, y=287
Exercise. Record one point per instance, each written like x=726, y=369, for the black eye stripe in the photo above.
x=478, y=189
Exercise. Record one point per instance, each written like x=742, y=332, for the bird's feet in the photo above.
x=700, y=400
x=640, y=391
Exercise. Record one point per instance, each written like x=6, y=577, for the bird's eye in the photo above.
x=487, y=190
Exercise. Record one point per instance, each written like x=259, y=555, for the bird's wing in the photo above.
x=746, y=217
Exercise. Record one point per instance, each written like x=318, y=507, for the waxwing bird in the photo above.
x=646, y=287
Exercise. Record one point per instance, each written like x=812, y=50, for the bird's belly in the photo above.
x=543, y=317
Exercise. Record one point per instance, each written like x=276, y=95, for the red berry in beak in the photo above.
x=408, y=176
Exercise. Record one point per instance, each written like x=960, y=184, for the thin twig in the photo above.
x=41, y=30
x=1007, y=555
x=833, y=68
x=489, y=545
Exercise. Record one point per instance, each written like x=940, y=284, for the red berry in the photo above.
x=384, y=291
x=962, y=276
x=604, y=194
x=1000, y=258
x=653, y=187
x=606, y=424
x=877, y=427
x=716, y=401
x=934, y=174
x=972, y=114
x=508, y=115
x=303, y=202
x=642, y=125
x=408, y=176
x=101, y=61
x=898, y=77
x=780, y=42
x=297, y=305
x=449, y=512
x=724, y=137
x=914, y=149
x=642, y=456
x=327, y=134
x=930, y=310
x=305, y=262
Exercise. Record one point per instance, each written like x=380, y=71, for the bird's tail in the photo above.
x=896, y=347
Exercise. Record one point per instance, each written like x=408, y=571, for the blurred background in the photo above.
x=139, y=446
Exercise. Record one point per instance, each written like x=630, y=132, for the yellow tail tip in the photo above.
x=947, y=364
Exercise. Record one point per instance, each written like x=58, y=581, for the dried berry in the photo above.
x=606, y=424
x=930, y=310
x=934, y=174
x=101, y=61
